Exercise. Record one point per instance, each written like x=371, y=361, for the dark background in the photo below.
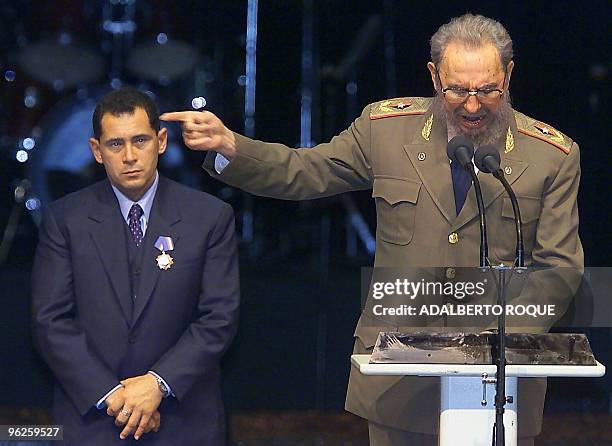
x=300, y=272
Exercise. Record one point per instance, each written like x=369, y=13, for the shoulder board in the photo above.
x=399, y=107
x=542, y=131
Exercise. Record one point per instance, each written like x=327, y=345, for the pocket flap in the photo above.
x=396, y=190
x=529, y=207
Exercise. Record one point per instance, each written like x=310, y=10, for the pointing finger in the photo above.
x=177, y=116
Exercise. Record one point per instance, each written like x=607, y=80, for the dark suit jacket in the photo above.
x=92, y=333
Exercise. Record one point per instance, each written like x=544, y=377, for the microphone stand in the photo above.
x=488, y=160
x=520, y=248
x=499, y=433
x=484, y=247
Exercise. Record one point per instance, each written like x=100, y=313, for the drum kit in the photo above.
x=55, y=82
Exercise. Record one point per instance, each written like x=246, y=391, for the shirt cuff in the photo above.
x=101, y=404
x=221, y=163
x=170, y=392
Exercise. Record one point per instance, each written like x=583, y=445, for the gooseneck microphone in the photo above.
x=487, y=160
x=461, y=150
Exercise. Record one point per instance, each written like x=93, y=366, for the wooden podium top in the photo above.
x=362, y=362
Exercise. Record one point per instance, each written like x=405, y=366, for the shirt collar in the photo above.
x=146, y=202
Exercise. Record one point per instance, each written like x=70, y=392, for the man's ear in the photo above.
x=434, y=78
x=94, y=144
x=162, y=140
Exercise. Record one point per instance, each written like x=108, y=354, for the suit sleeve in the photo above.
x=61, y=341
x=209, y=336
x=277, y=171
x=557, y=253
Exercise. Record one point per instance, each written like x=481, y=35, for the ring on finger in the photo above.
x=125, y=413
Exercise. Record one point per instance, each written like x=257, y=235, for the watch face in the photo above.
x=163, y=388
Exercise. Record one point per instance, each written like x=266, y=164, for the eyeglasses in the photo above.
x=458, y=95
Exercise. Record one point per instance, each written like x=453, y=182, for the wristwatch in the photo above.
x=163, y=388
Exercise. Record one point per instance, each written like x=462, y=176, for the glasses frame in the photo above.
x=474, y=92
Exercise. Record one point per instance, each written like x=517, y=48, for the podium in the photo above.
x=464, y=416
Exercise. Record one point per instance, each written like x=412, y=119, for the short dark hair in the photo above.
x=121, y=101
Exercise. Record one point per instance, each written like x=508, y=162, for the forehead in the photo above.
x=471, y=65
x=126, y=124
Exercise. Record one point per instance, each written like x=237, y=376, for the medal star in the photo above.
x=164, y=261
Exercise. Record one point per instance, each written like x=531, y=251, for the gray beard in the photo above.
x=489, y=134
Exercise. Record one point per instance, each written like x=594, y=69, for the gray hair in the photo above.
x=472, y=31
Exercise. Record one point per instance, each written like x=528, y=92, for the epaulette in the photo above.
x=399, y=107
x=545, y=132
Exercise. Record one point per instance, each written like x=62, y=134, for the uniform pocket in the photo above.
x=530, y=213
x=529, y=207
x=396, y=203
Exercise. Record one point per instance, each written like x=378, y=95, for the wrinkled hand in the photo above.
x=202, y=130
x=142, y=398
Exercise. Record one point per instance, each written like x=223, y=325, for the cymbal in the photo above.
x=161, y=63
x=62, y=66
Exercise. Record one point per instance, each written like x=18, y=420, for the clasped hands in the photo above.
x=134, y=406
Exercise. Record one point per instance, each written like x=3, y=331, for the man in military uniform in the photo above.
x=397, y=148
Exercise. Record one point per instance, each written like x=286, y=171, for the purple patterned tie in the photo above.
x=134, y=222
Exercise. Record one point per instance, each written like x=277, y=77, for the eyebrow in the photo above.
x=143, y=136
x=121, y=140
x=482, y=87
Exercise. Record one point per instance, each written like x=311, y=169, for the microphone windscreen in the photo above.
x=459, y=142
x=482, y=160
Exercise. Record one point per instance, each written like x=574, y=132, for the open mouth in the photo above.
x=472, y=121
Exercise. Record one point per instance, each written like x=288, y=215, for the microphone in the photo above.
x=461, y=150
x=487, y=160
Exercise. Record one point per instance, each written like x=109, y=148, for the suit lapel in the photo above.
x=431, y=163
x=164, y=215
x=513, y=164
x=108, y=236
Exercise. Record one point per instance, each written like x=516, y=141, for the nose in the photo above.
x=129, y=154
x=472, y=104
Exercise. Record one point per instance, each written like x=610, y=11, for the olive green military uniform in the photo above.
x=397, y=149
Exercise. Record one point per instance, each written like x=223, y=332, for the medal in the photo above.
x=164, y=260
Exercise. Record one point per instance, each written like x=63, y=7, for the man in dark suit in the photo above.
x=135, y=293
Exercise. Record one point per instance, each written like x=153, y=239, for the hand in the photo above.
x=153, y=425
x=204, y=131
x=114, y=402
x=142, y=398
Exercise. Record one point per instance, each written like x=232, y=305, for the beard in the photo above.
x=494, y=128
